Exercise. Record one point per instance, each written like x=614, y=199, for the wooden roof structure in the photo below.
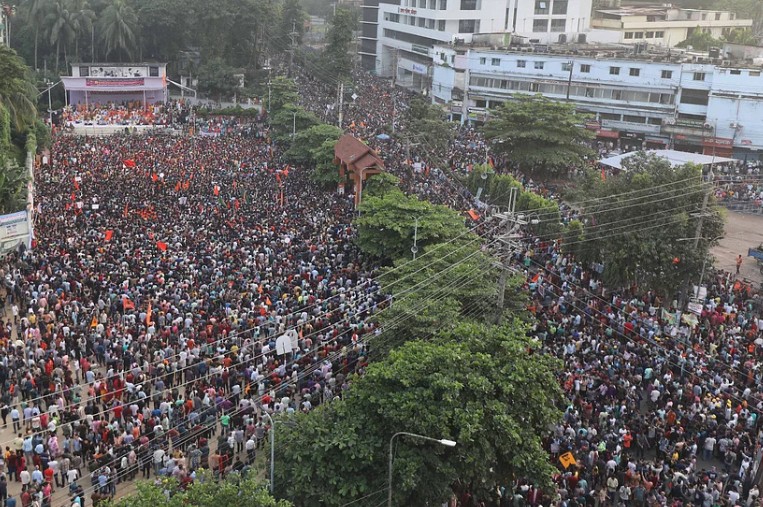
x=356, y=160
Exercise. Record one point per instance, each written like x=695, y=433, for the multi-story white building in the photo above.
x=654, y=101
x=397, y=36
x=665, y=26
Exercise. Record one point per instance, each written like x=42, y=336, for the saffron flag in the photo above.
x=567, y=459
x=154, y=177
x=148, y=314
x=603, y=175
x=216, y=190
x=474, y=215
x=108, y=235
x=161, y=245
x=127, y=304
x=94, y=322
x=129, y=163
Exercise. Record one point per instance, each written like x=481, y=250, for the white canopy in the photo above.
x=675, y=158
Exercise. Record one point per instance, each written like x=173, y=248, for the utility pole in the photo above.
x=508, y=245
x=341, y=103
x=415, y=247
x=293, y=46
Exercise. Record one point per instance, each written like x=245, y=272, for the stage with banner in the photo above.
x=92, y=84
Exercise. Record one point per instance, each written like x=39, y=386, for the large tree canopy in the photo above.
x=642, y=223
x=538, y=134
x=387, y=224
x=482, y=386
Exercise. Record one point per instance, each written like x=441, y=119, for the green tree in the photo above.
x=306, y=141
x=325, y=172
x=447, y=283
x=386, y=224
x=217, y=79
x=700, y=41
x=36, y=12
x=61, y=23
x=118, y=26
x=17, y=93
x=282, y=91
x=538, y=133
x=291, y=18
x=643, y=221
x=426, y=126
x=162, y=31
x=204, y=492
x=289, y=118
x=337, y=58
x=83, y=18
x=742, y=36
x=482, y=386
x=380, y=184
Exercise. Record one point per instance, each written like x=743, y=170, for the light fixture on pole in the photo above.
x=441, y=441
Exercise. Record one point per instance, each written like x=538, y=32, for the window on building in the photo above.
x=541, y=6
x=638, y=35
x=84, y=71
x=566, y=66
x=695, y=97
x=540, y=25
x=469, y=5
x=589, y=92
x=412, y=20
x=650, y=35
x=495, y=62
x=659, y=35
x=635, y=72
x=521, y=63
x=717, y=16
x=585, y=68
x=483, y=61
x=617, y=95
x=468, y=26
x=736, y=72
x=754, y=73
x=654, y=121
x=634, y=119
x=560, y=7
x=430, y=24
x=699, y=76
x=667, y=74
x=432, y=4
x=441, y=25
x=421, y=22
x=534, y=87
x=628, y=35
x=558, y=25
x=610, y=116
x=539, y=65
x=666, y=98
x=480, y=103
x=443, y=5
x=614, y=71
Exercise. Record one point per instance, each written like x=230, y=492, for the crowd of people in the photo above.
x=182, y=289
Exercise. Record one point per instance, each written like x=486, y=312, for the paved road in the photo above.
x=743, y=231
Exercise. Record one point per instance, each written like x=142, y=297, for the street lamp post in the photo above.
x=272, y=449
x=441, y=441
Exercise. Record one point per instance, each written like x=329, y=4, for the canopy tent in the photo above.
x=675, y=158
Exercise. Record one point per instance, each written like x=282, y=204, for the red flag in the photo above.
x=129, y=163
x=154, y=177
x=216, y=190
x=126, y=211
x=603, y=175
x=148, y=314
x=76, y=184
x=127, y=304
x=474, y=215
x=109, y=234
x=161, y=245
x=177, y=187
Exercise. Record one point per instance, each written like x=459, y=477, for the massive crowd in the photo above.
x=174, y=299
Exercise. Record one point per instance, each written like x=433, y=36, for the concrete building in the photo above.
x=102, y=83
x=637, y=101
x=397, y=36
x=665, y=25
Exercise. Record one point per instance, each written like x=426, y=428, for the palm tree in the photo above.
x=37, y=10
x=61, y=27
x=117, y=25
x=17, y=93
x=82, y=17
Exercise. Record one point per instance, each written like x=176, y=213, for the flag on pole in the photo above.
x=161, y=245
x=108, y=235
x=127, y=304
x=129, y=163
x=148, y=314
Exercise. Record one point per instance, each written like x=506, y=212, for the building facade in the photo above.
x=397, y=36
x=665, y=26
x=102, y=83
x=635, y=103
